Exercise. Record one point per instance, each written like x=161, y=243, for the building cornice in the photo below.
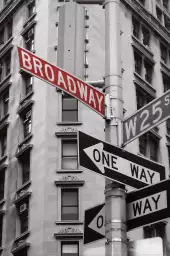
x=10, y=8
x=148, y=19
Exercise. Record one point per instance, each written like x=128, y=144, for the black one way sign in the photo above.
x=144, y=207
x=117, y=164
x=148, y=205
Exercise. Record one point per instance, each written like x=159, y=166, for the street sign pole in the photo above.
x=115, y=214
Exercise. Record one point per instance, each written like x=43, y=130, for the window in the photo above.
x=143, y=98
x=159, y=14
x=166, y=82
x=25, y=167
x=168, y=126
x=138, y=63
x=168, y=155
x=163, y=53
x=31, y=8
x=141, y=32
x=1, y=226
x=5, y=103
x=136, y=28
x=143, y=66
x=69, y=154
x=165, y=4
x=148, y=146
x=5, y=66
x=1, y=37
x=22, y=252
x=3, y=141
x=69, y=248
x=69, y=204
x=167, y=22
x=28, y=81
x=29, y=40
x=69, y=108
x=9, y=29
x=148, y=71
x=146, y=36
x=27, y=123
x=6, y=33
x=155, y=230
x=142, y=2
x=23, y=216
x=2, y=184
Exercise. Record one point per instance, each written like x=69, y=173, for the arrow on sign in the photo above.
x=98, y=223
x=144, y=206
x=117, y=164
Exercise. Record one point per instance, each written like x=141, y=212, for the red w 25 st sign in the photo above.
x=56, y=76
x=146, y=118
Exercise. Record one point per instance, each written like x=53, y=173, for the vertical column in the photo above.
x=115, y=216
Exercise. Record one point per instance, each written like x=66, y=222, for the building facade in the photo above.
x=43, y=191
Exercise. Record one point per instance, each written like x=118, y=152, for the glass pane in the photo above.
x=69, y=103
x=70, y=115
x=69, y=215
x=69, y=163
x=69, y=148
x=70, y=248
x=69, y=198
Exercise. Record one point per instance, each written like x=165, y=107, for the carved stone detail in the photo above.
x=69, y=230
x=68, y=129
x=20, y=243
x=69, y=178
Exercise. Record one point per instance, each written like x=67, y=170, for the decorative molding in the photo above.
x=9, y=9
x=147, y=18
x=3, y=119
x=5, y=82
x=22, y=236
x=24, y=186
x=69, y=230
x=26, y=97
x=68, y=129
x=69, y=178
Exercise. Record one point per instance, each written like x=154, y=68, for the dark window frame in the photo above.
x=67, y=109
x=76, y=206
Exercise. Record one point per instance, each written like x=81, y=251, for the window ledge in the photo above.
x=4, y=126
x=20, y=247
x=29, y=19
x=5, y=80
x=70, y=123
x=22, y=236
x=24, y=148
x=2, y=159
x=24, y=106
x=21, y=198
x=144, y=85
x=165, y=68
x=26, y=97
x=24, y=186
x=74, y=183
x=30, y=25
x=68, y=234
x=69, y=171
x=5, y=45
x=2, y=202
x=71, y=222
x=144, y=49
x=73, y=134
x=25, y=140
x=3, y=118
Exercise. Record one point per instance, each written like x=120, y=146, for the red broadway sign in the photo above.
x=56, y=76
